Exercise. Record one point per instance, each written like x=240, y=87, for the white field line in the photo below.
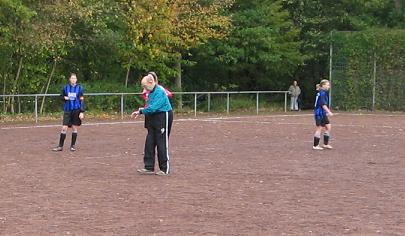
x=138, y=122
x=300, y=124
x=87, y=124
x=236, y=119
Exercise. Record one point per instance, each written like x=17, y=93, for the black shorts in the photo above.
x=322, y=121
x=72, y=118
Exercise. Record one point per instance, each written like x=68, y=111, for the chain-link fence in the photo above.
x=368, y=70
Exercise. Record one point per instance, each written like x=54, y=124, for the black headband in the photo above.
x=153, y=74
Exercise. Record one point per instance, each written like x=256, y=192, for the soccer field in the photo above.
x=249, y=175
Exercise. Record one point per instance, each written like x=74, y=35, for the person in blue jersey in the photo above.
x=322, y=113
x=160, y=118
x=73, y=98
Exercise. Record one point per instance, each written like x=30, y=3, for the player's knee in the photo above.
x=64, y=129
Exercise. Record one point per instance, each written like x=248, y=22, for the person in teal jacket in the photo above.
x=160, y=115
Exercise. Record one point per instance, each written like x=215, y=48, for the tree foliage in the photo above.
x=214, y=44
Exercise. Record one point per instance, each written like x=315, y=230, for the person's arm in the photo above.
x=168, y=93
x=145, y=97
x=81, y=97
x=327, y=110
x=290, y=89
x=63, y=95
x=324, y=105
x=154, y=104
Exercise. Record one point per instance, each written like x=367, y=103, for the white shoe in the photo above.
x=327, y=147
x=145, y=172
x=161, y=173
x=317, y=148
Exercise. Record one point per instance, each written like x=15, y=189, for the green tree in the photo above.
x=162, y=31
x=16, y=41
x=262, y=48
x=317, y=19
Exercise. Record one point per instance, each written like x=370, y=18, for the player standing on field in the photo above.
x=73, y=97
x=159, y=113
x=145, y=95
x=322, y=112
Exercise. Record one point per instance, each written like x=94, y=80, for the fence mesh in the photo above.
x=368, y=70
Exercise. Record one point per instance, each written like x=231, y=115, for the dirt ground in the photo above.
x=250, y=175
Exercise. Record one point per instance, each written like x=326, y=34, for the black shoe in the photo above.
x=72, y=148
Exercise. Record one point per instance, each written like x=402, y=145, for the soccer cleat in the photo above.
x=317, y=148
x=327, y=147
x=145, y=172
x=57, y=149
x=72, y=148
x=161, y=173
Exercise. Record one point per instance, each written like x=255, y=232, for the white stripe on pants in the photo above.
x=167, y=142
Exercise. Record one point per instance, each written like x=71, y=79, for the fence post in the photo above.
x=36, y=108
x=209, y=102
x=330, y=68
x=195, y=105
x=374, y=80
x=227, y=103
x=257, y=103
x=285, y=101
x=122, y=106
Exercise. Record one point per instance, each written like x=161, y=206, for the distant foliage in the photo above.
x=355, y=55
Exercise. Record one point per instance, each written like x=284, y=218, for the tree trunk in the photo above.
x=398, y=5
x=12, y=105
x=14, y=88
x=47, y=85
x=19, y=105
x=178, y=82
x=128, y=71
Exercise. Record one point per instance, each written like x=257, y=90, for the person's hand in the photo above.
x=135, y=114
x=66, y=98
x=81, y=115
x=330, y=114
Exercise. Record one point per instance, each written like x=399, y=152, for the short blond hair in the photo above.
x=317, y=87
x=323, y=82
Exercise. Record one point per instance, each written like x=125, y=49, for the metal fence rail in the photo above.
x=122, y=95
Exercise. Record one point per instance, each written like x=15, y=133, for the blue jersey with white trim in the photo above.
x=322, y=98
x=74, y=93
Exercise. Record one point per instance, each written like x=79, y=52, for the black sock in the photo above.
x=326, y=139
x=62, y=139
x=316, y=141
x=74, y=137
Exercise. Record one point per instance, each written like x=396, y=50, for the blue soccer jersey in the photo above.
x=322, y=98
x=74, y=93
